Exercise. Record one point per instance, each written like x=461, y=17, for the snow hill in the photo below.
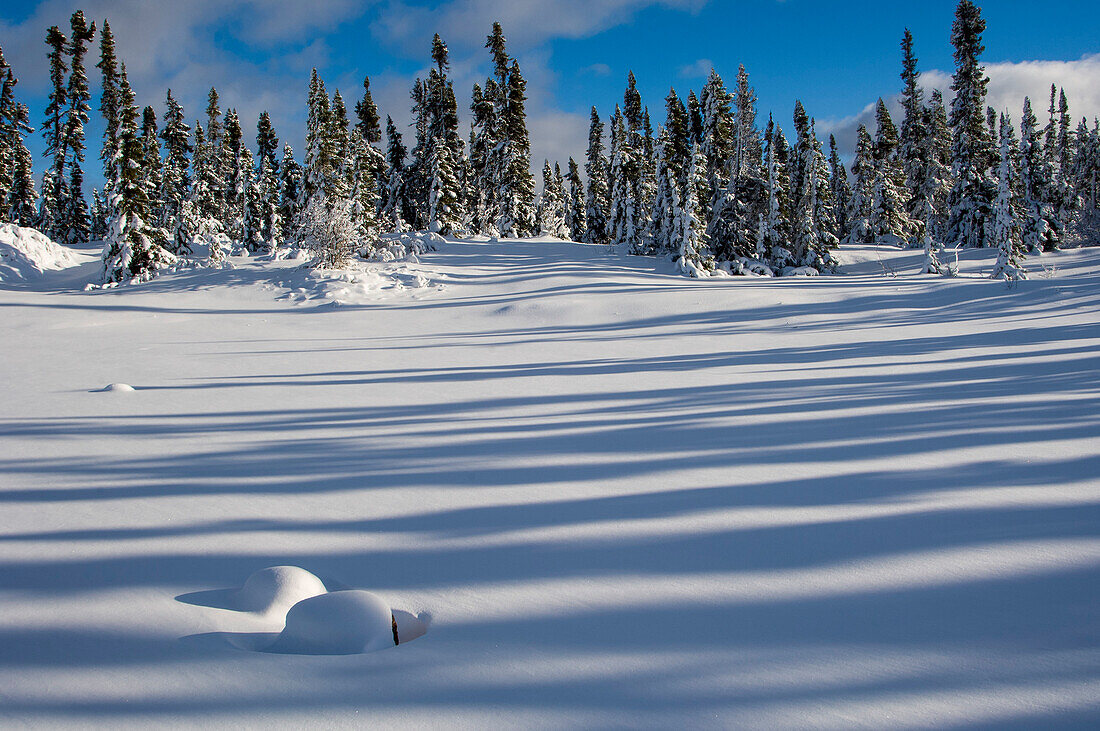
x=26, y=254
x=604, y=494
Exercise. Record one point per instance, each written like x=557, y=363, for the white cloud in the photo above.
x=698, y=70
x=526, y=23
x=1009, y=83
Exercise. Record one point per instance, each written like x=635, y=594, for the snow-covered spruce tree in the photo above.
x=394, y=215
x=1005, y=234
x=75, y=224
x=932, y=174
x=484, y=136
x=1087, y=177
x=576, y=218
x=152, y=167
x=364, y=188
x=370, y=163
x=17, y=190
x=888, y=221
x=692, y=245
x=863, y=192
x=842, y=191
x=108, y=107
x=152, y=176
x=442, y=151
x=736, y=208
x=266, y=231
x=551, y=209
x=236, y=167
x=598, y=195
x=1039, y=232
x=290, y=186
x=622, y=217
x=129, y=252
x=813, y=208
x=200, y=218
x=674, y=153
x=517, y=186
x=972, y=151
x=912, y=148
x=1066, y=145
x=175, y=187
x=718, y=131
x=18, y=198
x=695, y=117
x=54, y=192
x=774, y=237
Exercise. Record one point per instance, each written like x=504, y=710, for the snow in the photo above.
x=26, y=254
x=339, y=623
x=275, y=589
x=619, y=496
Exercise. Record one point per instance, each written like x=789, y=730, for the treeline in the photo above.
x=709, y=188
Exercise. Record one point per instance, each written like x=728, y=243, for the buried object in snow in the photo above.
x=337, y=623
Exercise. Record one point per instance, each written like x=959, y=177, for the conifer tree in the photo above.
x=290, y=186
x=236, y=167
x=718, y=131
x=576, y=219
x=597, y=199
x=551, y=211
x=175, y=187
x=1005, y=234
x=774, y=235
x=842, y=191
x=517, y=188
x=622, y=216
x=736, y=208
x=394, y=214
x=73, y=224
x=691, y=227
x=109, y=108
x=54, y=194
x=129, y=252
x=888, y=220
x=972, y=149
x=863, y=191
x=370, y=162
x=17, y=189
x=1038, y=224
x=200, y=219
x=913, y=150
x=442, y=149
x=695, y=116
x=267, y=229
x=151, y=164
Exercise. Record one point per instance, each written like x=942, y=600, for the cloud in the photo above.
x=596, y=69
x=526, y=23
x=698, y=70
x=1009, y=83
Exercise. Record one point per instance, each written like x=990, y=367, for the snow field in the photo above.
x=624, y=497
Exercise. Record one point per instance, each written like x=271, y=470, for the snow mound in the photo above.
x=403, y=246
x=117, y=387
x=338, y=623
x=27, y=254
x=277, y=588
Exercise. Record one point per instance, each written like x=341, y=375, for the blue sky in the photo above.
x=837, y=57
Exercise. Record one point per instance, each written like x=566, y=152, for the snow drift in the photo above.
x=27, y=254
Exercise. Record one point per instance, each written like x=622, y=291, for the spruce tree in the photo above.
x=54, y=184
x=75, y=224
x=913, y=148
x=109, y=108
x=774, y=231
x=175, y=186
x=394, y=213
x=736, y=207
x=690, y=211
x=17, y=189
x=1039, y=229
x=863, y=191
x=267, y=230
x=972, y=149
x=129, y=252
x=442, y=148
x=718, y=132
x=517, y=186
x=576, y=219
x=236, y=168
x=842, y=191
x=597, y=198
x=551, y=210
x=200, y=219
x=1005, y=233
x=290, y=187
x=888, y=220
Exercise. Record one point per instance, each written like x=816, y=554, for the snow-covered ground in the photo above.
x=611, y=495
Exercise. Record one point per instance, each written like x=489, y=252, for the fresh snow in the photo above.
x=26, y=254
x=596, y=492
